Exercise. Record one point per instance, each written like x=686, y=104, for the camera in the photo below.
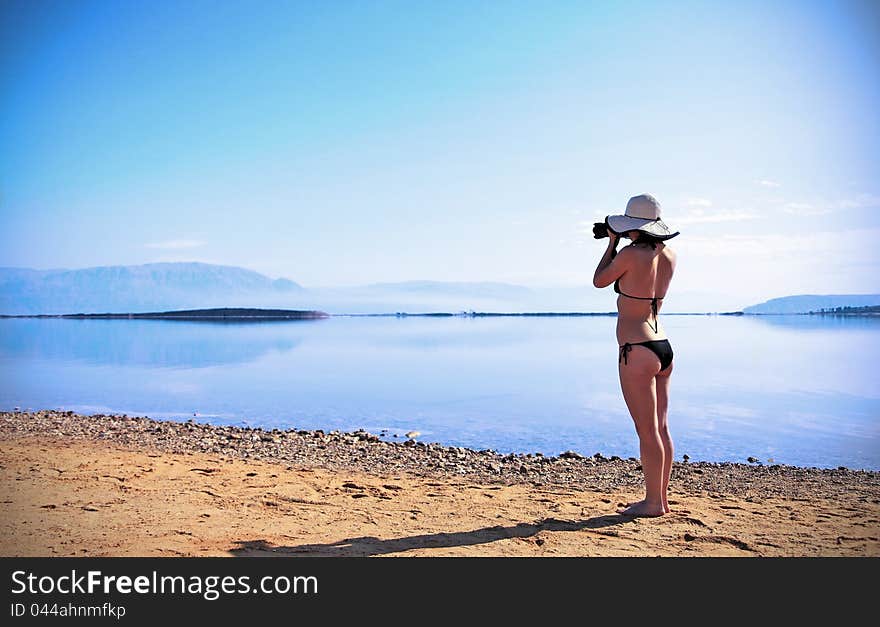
x=601, y=229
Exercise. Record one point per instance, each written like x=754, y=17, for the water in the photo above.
x=792, y=389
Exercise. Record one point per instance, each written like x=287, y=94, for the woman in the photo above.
x=641, y=274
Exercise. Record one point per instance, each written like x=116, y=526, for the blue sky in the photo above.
x=340, y=143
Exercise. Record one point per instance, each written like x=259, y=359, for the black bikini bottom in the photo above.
x=661, y=348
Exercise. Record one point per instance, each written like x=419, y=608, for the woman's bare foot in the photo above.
x=666, y=509
x=643, y=508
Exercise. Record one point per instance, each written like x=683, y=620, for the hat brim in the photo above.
x=657, y=228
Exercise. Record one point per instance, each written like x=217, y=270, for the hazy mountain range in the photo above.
x=134, y=288
x=811, y=302
x=166, y=286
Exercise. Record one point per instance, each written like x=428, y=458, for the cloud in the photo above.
x=585, y=227
x=700, y=216
x=764, y=264
x=176, y=244
x=824, y=247
x=190, y=258
x=804, y=209
x=859, y=202
x=768, y=183
x=698, y=202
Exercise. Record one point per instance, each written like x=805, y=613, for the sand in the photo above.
x=90, y=497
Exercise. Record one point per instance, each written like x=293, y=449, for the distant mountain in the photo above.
x=149, y=287
x=481, y=289
x=167, y=286
x=425, y=296
x=806, y=303
x=170, y=286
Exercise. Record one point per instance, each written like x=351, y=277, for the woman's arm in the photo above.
x=612, y=265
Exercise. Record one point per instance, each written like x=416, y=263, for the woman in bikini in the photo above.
x=641, y=273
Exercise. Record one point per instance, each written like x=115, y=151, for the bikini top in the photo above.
x=653, y=300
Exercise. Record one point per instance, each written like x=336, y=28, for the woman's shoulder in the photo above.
x=659, y=248
x=671, y=256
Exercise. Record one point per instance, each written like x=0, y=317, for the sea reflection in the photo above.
x=797, y=389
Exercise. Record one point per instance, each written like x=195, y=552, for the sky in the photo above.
x=344, y=143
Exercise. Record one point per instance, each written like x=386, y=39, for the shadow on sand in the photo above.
x=367, y=545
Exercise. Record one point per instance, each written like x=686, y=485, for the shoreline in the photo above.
x=364, y=451
x=111, y=485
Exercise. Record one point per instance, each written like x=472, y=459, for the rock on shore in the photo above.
x=362, y=451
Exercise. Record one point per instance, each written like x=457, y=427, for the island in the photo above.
x=219, y=314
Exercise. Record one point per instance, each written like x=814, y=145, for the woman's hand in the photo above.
x=613, y=238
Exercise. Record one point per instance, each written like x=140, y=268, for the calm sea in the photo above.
x=797, y=390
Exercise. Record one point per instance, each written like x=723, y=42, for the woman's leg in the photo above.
x=662, y=386
x=637, y=381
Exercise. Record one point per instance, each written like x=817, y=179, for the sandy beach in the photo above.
x=76, y=485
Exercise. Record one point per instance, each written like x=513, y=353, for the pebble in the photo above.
x=362, y=451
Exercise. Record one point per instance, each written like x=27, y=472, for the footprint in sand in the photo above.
x=685, y=519
x=739, y=544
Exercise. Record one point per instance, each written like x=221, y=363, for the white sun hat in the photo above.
x=642, y=214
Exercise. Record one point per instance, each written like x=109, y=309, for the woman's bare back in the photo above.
x=649, y=275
